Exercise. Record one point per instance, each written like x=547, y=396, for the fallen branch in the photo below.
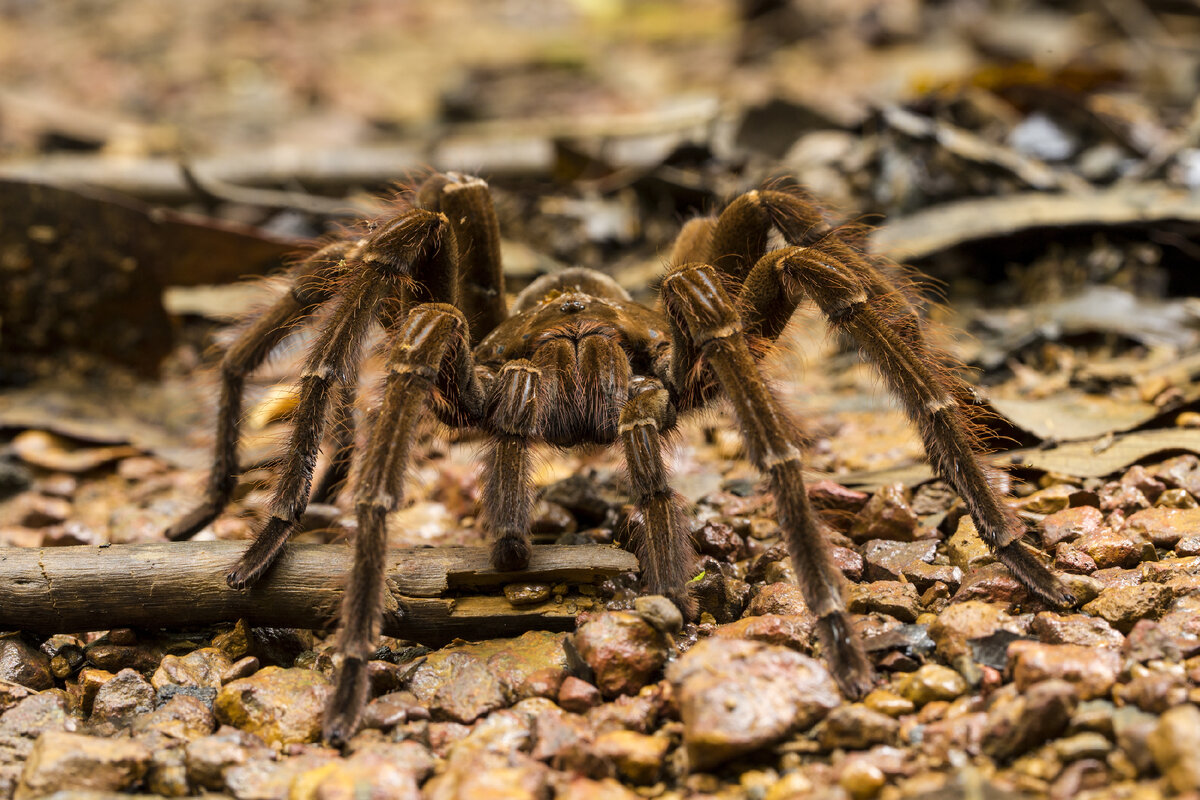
x=176, y=585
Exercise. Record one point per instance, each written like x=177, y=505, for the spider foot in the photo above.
x=346, y=705
x=843, y=651
x=259, y=557
x=511, y=553
x=1035, y=575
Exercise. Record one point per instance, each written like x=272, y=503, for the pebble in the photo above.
x=1018, y=722
x=1175, y=747
x=1092, y=670
x=785, y=599
x=580, y=788
x=960, y=622
x=659, y=613
x=992, y=583
x=888, y=560
x=278, y=705
x=622, y=650
x=1176, y=498
x=458, y=686
x=1122, y=606
x=207, y=758
x=931, y=682
x=1054, y=628
x=861, y=779
x=856, y=726
x=888, y=702
x=720, y=541
x=965, y=549
x=1111, y=549
x=1087, y=744
x=182, y=718
x=578, y=695
x=887, y=515
x=203, y=667
x=1072, y=560
x=737, y=696
x=392, y=709
x=1164, y=527
x=61, y=760
x=1069, y=524
x=21, y=662
x=526, y=594
x=122, y=697
x=825, y=495
x=638, y=757
x=371, y=773
x=1047, y=501
x=794, y=631
x=893, y=598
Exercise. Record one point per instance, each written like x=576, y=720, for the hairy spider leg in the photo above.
x=665, y=546
x=513, y=408
x=312, y=284
x=431, y=352
x=417, y=245
x=698, y=303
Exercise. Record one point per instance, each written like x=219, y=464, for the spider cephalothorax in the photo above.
x=575, y=361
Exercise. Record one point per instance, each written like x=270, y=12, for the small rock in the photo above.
x=1019, y=722
x=578, y=695
x=861, y=779
x=960, y=622
x=1188, y=546
x=931, y=682
x=203, y=667
x=1093, y=670
x=1047, y=501
x=659, y=613
x=551, y=520
x=992, y=583
x=1133, y=728
x=121, y=698
x=889, y=560
x=207, y=758
x=890, y=703
x=1069, y=524
x=893, y=598
x=887, y=515
x=587, y=789
x=395, y=708
x=795, y=632
x=720, y=541
x=1127, y=499
x=1122, y=606
x=181, y=717
x=825, y=495
x=1074, y=561
x=459, y=686
x=1176, y=498
x=23, y=663
x=526, y=594
x=1110, y=549
x=736, y=696
x=1154, y=692
x=61, y=760
x=1164, y=527
x=785, y=599
x=279, y=705
x=965, y=549
x=1087, y=744
x=242, y=668
x=1054, y=628
x=622, y=650
x=1175, y=746
x=638, y=757
x=856, y=727
x=848, y=562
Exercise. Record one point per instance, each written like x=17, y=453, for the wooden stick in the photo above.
x=182, y=584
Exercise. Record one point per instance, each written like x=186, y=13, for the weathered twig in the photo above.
x=68, y=589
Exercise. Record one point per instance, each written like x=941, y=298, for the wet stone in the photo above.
x=888, y=702
x=777, y=598
x=143, y=658
x=1188, y=546
x=1092, y=670
x=965, y=549
x=278, y=705
x=1176, y=498
x=1047, y=501
x=659, y=613
x=1053, y=628
x=930, y=683
x=1175, y=747
x=719, y=540
x=21, y=662
x=736, y=696
x=1020, y=721
x=926, y=576
x=181, y=717
x=961, y=622
x=794, y=631
x=1154, y=692
x=203, y=667
x=1069, y=524
x=1129, y=499
x=526, y=594
x=856, y=727
x=1110, y=549
x=1163, y=526
x=578, y=695
x=887, y=515
x=61, y=760
x=848, y=562
x=1122, y=606
x=393, y=709
x=825, y=495
x=889, y=560
x=122, y=697
x=861, y=779
x=622, y=650
x=638, y=758
x=242, y=668
x=459, y=687
x=206, y=759
x=893, y=598
x=1072, y=560
x=992, y=583
x=1087, y=744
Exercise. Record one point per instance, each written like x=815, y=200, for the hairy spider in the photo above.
x=575, y=361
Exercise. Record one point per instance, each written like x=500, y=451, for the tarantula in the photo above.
x=575, y=361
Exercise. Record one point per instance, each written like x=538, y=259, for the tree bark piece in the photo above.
x=182, y=584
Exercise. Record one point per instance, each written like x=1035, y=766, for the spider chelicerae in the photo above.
x=574, y=361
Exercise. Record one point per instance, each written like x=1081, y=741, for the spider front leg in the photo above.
x=412, y=254
x=312, y=285
x=432, y=343
x=699, y=308
x=512, y=417
x=665, y=548
x=856, y=298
